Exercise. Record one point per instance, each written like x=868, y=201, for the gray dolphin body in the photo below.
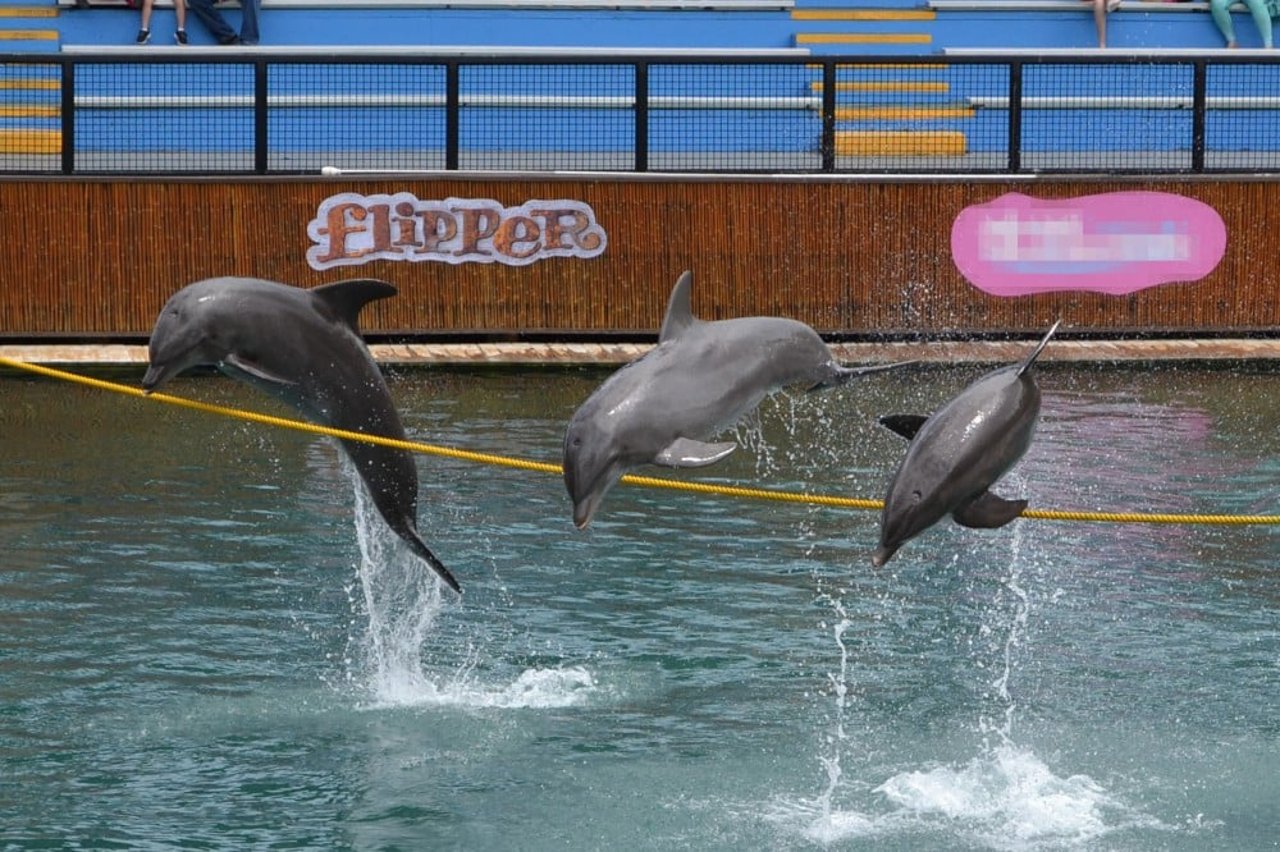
x=699, y=379
x=303, y=347
x=958, y=453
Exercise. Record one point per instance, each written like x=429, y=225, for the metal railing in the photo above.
x=202, y=112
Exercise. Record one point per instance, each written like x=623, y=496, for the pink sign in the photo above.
x=1115, y=243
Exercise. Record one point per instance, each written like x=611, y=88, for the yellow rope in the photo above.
x=646, y=481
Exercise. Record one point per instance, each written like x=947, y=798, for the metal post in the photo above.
x=828, y=141
x=452, y=105
x=68, y=115
x=260, y=116
x=1199, y=87
x=1015, y=116
x=642, y=117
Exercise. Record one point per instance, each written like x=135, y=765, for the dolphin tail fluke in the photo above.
x=1031, y=359
x=843, y=375
x=419, y=547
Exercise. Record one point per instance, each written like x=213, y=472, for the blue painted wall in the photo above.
x=458, y=27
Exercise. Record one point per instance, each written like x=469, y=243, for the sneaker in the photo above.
x=180, y=37
x=144, y=36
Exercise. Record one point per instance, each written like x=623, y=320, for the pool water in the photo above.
x=208, y=641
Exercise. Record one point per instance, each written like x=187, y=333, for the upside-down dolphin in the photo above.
x=958, y=453
x=302, y=347
x=699, y=379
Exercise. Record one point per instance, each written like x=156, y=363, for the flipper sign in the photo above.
x=1114, y=243
x=350, y=229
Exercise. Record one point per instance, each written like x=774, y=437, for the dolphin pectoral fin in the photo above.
x=244, y=365
x=685, y=452
x=987, y=511
x=906, y=425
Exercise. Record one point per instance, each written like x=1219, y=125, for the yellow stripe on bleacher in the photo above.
x=863, y=38
x=21, y=111
x=903, y=113
x=28, y=12
x=28, y=35
x=863, y=14
x=887, y=86
x=866, y=66
x=30, y=141
x=899, y=143
x=31, y=85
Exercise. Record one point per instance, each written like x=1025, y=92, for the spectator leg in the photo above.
x=249, y=24
x=1221, y=17
x=212, y=20
x=1261, y=17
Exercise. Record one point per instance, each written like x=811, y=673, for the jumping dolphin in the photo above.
x=302, y=347
x=958, y=453
x=699, y=379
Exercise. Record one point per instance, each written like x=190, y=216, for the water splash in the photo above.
x=403, y=601
x=1007, y=798
x=840, y=689
x=1013, y=589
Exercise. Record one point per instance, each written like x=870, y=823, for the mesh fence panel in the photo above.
x=30, y=124
x=356, y=116
x=164, y=117
x=739, y=117
x=1107, y=118
x=920, y=117
x=1242, y=117
x=553, y=116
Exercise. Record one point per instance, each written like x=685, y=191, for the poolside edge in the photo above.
x=505, y=354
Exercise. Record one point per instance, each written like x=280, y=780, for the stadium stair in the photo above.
x=898, y=109
x=29, y=94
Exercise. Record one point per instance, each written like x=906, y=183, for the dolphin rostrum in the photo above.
x=698, y=380
x=302, y=347
x=958, y=453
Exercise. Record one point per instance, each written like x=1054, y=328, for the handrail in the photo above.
x=647, y=85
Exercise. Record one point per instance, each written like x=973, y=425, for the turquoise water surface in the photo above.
x=208, y=642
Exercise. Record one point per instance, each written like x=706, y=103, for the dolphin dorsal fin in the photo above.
x=679, y=309
x=344, y=299
x=1031, y=359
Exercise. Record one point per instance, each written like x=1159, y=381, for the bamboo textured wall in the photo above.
x=99, y=258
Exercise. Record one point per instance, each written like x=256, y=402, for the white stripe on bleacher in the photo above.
x=512, y=101
x=1172, y=52
x=487, y=51
x=1136, y=102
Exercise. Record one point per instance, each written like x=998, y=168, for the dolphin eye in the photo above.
x=577, y=442
x=915, y=496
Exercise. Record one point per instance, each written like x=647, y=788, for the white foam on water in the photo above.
x=533, y=689
x=816, y=822
x=1009, y=799
x=1004, y=799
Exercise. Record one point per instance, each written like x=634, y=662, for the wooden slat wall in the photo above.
x=100, y=258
